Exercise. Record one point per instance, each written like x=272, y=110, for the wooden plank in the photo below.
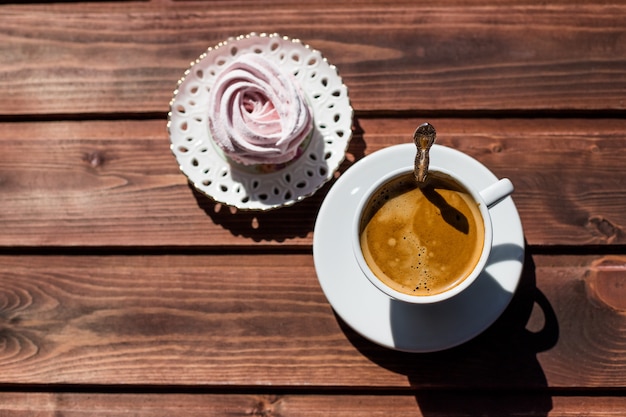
x=127, y=57
x=430, y=404
x=262, y=320
x=115, y=183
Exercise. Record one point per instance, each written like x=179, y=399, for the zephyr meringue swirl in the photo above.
x=258, y=114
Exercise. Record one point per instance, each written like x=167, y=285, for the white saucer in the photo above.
x=398, y=325
x=261, y=187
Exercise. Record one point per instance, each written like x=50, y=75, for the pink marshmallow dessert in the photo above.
x=258, y=113
x=260, y=121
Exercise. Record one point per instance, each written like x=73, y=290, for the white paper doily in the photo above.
x=261, y=187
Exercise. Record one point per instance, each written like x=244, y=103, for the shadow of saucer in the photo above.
x=485, y=375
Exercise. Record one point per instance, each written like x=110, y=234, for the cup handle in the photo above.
x=497, y=192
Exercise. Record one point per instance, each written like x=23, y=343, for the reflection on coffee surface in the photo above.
x=422, y=241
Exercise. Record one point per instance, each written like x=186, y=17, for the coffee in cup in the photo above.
x=423, y=243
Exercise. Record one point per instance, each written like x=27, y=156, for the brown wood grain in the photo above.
x=262, y=320
x=116, y=183
x=124, y=292
x=126, y=57
x=432, y=404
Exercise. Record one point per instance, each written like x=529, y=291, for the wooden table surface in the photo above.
x=124, y=292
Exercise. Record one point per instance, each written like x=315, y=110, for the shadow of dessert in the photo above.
x=281, y=224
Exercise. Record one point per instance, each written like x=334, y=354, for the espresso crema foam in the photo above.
x=422, y=241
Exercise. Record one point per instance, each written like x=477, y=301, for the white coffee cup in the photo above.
x=484, y=199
